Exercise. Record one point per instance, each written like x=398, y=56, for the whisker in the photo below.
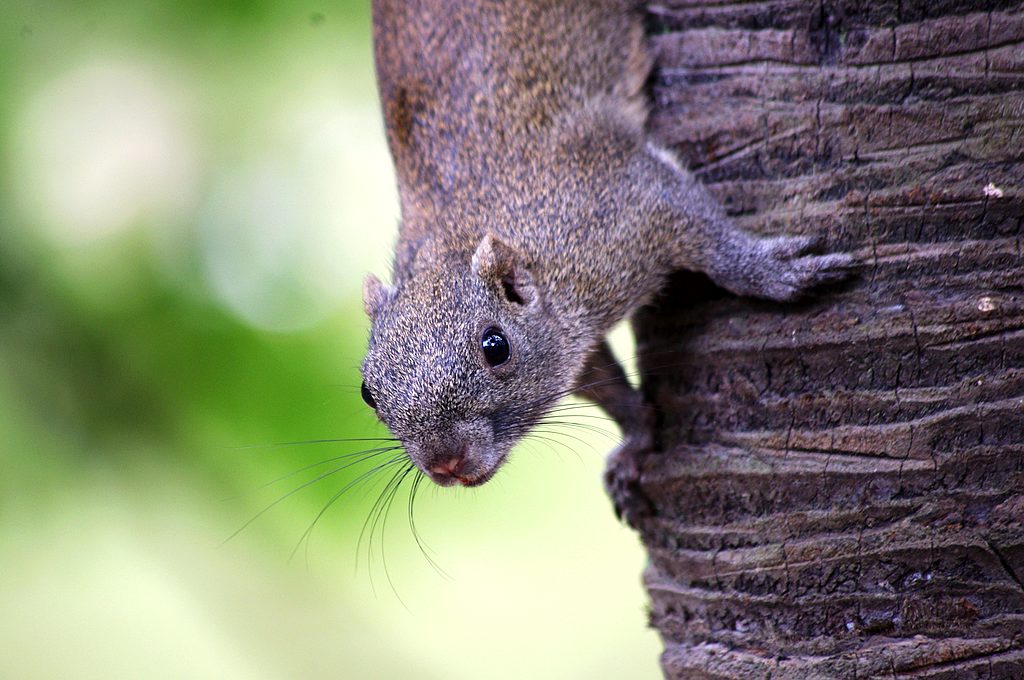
x=384, y=513
x=586, y=427
x=556, y=433
x=424, y=548
x=529, y=421
x=365, y=455
x=379, y=506
x=363, y=476
x=293, y=492
x=342, y=440
x=569, y=412
x=539, y=435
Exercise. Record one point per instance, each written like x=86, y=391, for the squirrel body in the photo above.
x=536, y=214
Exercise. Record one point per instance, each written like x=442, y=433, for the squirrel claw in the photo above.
x=790, y=269
x=622, y=481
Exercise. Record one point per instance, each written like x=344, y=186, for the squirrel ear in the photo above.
x=498, y=263
x=376, y=294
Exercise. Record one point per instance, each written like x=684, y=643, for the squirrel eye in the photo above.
x=364, y=391
x=496, y=347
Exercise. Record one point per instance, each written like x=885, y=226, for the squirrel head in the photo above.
x=464, y=358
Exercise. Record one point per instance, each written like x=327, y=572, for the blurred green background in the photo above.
x=190, y=194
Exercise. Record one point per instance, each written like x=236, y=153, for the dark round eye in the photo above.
x=495, y=346
x=364, y=391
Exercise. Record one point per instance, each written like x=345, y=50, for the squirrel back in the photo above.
x=466, y=87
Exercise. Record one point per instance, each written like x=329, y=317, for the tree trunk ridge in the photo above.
x=841, y=488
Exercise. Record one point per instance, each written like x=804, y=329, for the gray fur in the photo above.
x=517, y=131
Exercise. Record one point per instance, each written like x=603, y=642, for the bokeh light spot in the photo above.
x=103, y=147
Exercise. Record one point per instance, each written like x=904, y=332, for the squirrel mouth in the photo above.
x=446, y=479
x=451, y=480
x=480, y=475
x=471, y=481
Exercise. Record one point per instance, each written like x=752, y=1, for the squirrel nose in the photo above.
x=449, y=468
x=452, y=469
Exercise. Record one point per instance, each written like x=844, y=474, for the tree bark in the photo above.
x=839, y=491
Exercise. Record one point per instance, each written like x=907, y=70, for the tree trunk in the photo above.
x=840, y=492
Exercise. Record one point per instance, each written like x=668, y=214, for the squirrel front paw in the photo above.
x=622, y=480
x=786, y=268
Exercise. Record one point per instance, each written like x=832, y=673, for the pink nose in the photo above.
x=453, y=468
x=450, y=468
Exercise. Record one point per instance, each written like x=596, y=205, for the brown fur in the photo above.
x=517, y=131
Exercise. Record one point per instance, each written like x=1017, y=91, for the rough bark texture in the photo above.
x=841, y=488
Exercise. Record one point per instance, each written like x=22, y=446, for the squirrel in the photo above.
x=536, y=214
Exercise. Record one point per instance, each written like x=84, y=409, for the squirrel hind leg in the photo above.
x=605, y=383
